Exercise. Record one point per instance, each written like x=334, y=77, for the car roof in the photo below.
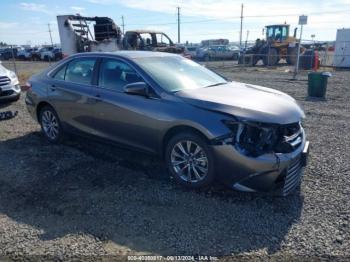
x=129, y=54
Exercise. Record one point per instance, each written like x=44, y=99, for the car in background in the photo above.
x=57, y=54
x=51, y=54
x=26, y=53
x=236, y=51
x=191, y=51
x=217, y=52
x=46, y=53
x=203, y=126
x=10, y=90
x=8, y=53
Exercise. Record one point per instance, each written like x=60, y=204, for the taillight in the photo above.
x=27, y=87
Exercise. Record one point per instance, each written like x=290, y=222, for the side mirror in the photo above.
x=137, y=88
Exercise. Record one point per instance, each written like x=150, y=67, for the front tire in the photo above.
x=50, y=125
x=190, y=160
x=271, y=56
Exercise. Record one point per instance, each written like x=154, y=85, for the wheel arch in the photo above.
x=40, y=106
x=177, y=130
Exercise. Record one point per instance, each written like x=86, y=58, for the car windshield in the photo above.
x=175, y=73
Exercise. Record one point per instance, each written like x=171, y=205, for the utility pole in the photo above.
x=246, y=40
x=240, y=32
x=178, y=24
x=50, y=33
x=123, y=25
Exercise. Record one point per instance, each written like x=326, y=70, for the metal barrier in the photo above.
x=24, y=69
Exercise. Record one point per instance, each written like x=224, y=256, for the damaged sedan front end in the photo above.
x=261, y=156
x=264, y=146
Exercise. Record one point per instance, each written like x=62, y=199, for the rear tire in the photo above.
x=190, y=160
x=51, y=125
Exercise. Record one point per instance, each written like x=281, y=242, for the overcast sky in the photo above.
x=26, y=22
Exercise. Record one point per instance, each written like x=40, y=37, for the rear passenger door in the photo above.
x=70, y=93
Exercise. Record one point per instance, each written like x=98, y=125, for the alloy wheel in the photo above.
x=50, y=124
x=189, y=161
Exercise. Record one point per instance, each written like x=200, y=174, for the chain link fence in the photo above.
x=25, y=68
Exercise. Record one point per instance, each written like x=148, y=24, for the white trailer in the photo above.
x=77, y=34
x=342, y=48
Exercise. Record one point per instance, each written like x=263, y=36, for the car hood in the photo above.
x=251, y=102
x=3, y=71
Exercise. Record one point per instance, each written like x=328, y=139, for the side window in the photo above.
x=59, y=75
x=116, y=74
x=162, y=39
x=284, y=32
x=80, y=70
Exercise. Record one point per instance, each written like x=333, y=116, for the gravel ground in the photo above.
x=92, y=201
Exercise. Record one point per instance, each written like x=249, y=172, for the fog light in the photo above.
x=17, y=87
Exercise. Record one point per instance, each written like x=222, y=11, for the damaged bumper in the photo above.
x=268, y=172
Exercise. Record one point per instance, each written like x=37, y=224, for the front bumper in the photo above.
x=269, y=172
x=10, y=92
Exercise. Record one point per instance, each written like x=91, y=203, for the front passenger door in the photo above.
x=121, y=117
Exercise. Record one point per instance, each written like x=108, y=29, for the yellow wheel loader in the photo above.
x=277, y=45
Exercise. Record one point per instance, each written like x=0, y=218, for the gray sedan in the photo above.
x=203, y=126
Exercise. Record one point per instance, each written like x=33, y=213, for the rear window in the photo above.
x=76, y=71
x=80, y=71
x=59, y=75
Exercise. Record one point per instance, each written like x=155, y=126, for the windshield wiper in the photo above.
x=217, y=84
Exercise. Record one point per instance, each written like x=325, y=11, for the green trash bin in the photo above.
x=317, y=84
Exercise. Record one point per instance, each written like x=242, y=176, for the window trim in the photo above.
x=55, y=72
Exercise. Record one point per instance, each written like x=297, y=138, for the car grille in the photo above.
x=4, y=80
x=6, y=93
x=293, y=176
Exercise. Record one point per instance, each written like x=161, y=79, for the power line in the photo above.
x=248, y=16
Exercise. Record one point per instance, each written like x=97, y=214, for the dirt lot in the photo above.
x=87, y=200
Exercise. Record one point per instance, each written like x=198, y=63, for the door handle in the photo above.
x=53, y=88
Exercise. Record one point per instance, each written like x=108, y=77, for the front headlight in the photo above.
x=13, y=77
